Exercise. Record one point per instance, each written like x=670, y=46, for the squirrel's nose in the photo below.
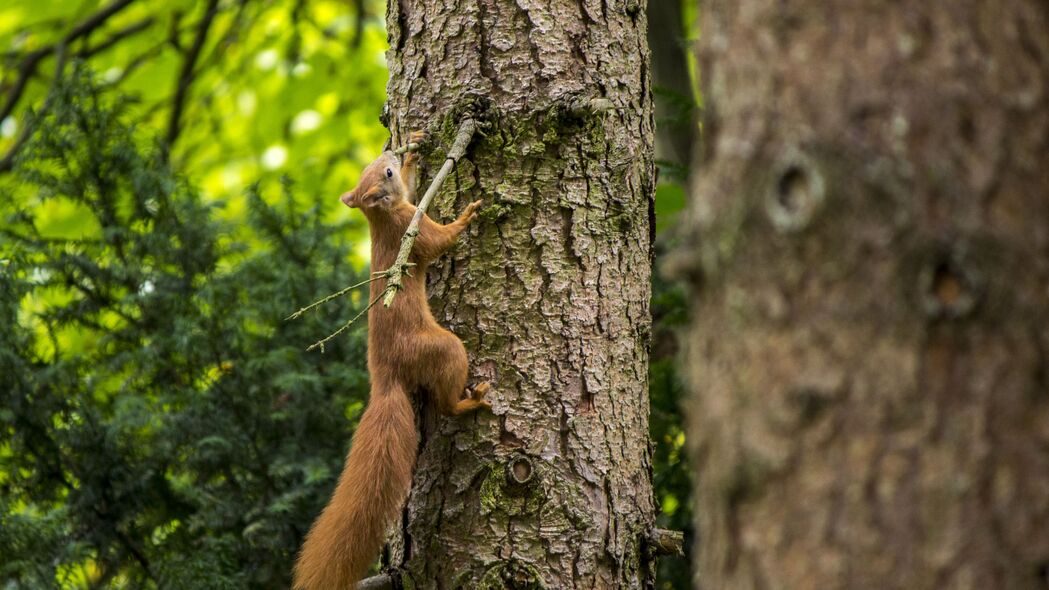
x=349, y=198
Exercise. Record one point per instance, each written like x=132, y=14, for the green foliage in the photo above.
x=679, y=101
x=670, y=477
x=162, y=425
x=279, y=86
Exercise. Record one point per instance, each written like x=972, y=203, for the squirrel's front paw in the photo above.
x=471, y=210
x=417, y=137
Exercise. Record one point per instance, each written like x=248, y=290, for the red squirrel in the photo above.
x=407, y=350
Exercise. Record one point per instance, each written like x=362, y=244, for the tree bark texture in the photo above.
x=549, y=290
x=869, y=248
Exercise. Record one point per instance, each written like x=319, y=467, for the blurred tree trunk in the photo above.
x=869, y=245
x=549, y=290
x=673, y=104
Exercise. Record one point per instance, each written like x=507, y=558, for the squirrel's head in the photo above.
x=380, y=186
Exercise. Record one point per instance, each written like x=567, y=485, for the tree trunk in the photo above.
x=870, y=250
x=549, y=290
x=673, y=105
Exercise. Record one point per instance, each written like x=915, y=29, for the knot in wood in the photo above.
x=795, y=192
x=949, y=288
x=519, y=470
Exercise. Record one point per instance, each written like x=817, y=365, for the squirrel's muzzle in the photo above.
x=349, y=198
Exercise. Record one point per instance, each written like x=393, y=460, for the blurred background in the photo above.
x=169, y=174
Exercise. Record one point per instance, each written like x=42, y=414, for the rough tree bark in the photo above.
x=549, y=291
x=870, y=251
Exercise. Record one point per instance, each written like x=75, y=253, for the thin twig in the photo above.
x=186, y=75
x=320, y=343
x=335, y=295
x=117, y=37
x=95, y=20
x=358, y=29
x=25, y=72
x=400, y=264
x=32, y=59
x=60, y=63
x=375, y=276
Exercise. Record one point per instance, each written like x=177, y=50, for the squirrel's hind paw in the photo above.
x=480, y=390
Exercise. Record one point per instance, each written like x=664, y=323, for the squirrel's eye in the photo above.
x=389, y=173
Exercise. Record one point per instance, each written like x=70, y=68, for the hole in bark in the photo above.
x=586, y=402
x=795, y=193
x=925, y=34
x=948, y=289
x=793, y=188
x=810, y=403
x=946, y=285
x=519, y=470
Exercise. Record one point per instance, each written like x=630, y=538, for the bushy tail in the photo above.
x=349, y=533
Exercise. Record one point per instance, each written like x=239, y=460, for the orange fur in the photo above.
x=407, y=350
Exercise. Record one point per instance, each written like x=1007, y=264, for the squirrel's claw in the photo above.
x=480, y=390
x=471, y=210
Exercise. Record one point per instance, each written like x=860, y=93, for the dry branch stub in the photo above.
x=666, y=542
x=519, y=470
